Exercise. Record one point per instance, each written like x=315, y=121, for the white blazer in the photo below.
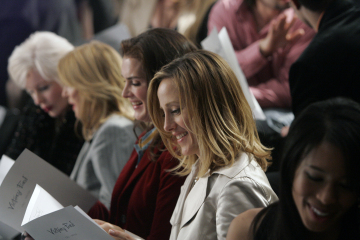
x=216, y=199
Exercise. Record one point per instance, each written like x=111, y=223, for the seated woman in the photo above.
x=48, y=128
x=146, y=191
x=320, y=181
x=91, y=75
x=198, y=102
x=198, y=106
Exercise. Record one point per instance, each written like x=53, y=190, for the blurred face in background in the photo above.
x=46, y=94
x=276, y=4
x=136, y=86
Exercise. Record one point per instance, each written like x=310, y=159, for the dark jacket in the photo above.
x=330, y=65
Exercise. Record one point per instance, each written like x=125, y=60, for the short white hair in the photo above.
x=41, y=52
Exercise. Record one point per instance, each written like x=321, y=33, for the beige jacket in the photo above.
x=215, y=200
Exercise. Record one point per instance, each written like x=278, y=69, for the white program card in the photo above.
x=19, y=184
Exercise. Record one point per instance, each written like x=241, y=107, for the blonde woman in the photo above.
x=205, y=121
x=91, y=75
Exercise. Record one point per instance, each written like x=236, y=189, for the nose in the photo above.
x=38, y=98
x=126, y=93
x=169, y=123
x=328, y=194
x=64, y=92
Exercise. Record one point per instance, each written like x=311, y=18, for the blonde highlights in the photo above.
x=94, y=70
x=220, y=117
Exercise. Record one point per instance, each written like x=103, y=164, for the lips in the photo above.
x=319, y=215
x=47, y=109
x=179, y=137
x=136, y=104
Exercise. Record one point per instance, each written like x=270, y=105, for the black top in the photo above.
x=329, y=66
x=269, y=230
x=52, y=139
x=267, y=224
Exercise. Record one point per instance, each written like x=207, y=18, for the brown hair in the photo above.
x=154, y=49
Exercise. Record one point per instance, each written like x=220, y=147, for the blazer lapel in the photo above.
x=194, y=200
x=177, y=214
x=82, y=154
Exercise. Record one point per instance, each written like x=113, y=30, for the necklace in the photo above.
x=194, y=181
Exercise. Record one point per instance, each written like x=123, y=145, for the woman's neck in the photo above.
x=332, y=234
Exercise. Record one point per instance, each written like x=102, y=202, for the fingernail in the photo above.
x=111, y=231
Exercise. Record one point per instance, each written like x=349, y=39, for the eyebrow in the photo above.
x=171, y=103
x=316, y=168
x=132, y=77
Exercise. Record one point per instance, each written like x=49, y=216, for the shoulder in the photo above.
x=118, y=121
x=240, y=227
x=116, y=124
x=247, y=179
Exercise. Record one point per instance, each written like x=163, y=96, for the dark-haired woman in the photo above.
x=146, y=192
x=320, y=181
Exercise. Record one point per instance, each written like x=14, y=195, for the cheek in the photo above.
x=301, y=189
x=55, y=95
x=348, y=200
x=142, y=94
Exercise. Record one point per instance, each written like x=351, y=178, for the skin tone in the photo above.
x=176, y=120
x=46, y=94
x=269, y=12
x=135, y=87
x=73, y=99
x=320, y=192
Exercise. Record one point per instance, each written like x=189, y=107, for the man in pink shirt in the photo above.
x=267, y=39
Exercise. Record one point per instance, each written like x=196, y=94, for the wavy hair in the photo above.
x=94, y=70
x=154, y=49
x=41, y=52
x=220, y=117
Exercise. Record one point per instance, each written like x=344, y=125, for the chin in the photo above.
x=53, y=114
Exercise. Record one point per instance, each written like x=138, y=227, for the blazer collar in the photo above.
x=231, y=171
x=192, y=199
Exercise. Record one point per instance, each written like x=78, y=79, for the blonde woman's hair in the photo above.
x=220, y=117
x=41, y=52
x=192, y=14
x=94, y=70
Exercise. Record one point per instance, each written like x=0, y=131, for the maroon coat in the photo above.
x=144, y=197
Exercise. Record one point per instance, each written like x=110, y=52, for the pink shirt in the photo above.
x=268, y=77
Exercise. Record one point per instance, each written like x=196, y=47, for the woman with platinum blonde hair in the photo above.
x=48, y=131
x=203, y=117
x=91, y=75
